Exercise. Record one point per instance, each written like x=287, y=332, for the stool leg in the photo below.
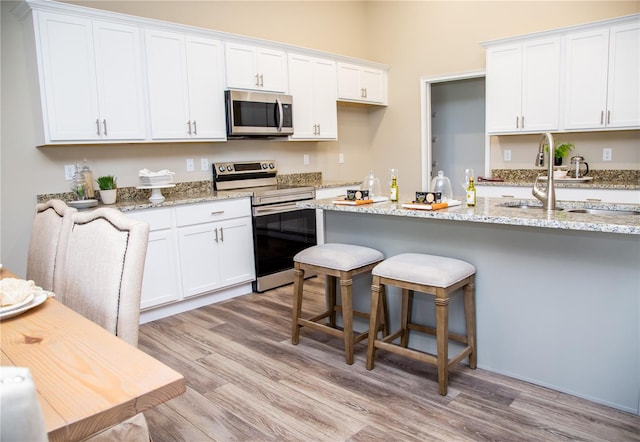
x=384, y=311
x=346, y=292
x=376, y=290
x=405, y=318
x=331, y=299
x=470, y=319
x=442, y=339
x=298, y=281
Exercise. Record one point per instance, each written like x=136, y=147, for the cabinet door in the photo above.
x=372, y=82
x=241, y=65
x=540, y=85
x=168, y=90
x=623, y=92
x=325, y=99
x=236, y=251
x=160, y=282
x=349, y=82
x=272, y=68
x=199, y=258
x=301, y=88
x=70, y=95
x=206, y=88
x=585, y=85
x=503, y=88
x=119, y=78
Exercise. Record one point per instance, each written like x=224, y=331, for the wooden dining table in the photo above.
x=86, y=378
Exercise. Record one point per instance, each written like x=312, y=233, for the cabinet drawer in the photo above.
x=214, y=211
x=156, y=218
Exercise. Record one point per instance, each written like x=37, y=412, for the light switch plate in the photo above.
x=306, y=159
x=507, y=155
x=204, y=164
x=69, y=170
x=341, y=158
x=190, y=165
x=607, y=154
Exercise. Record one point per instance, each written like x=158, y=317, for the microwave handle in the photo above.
x=280, y=114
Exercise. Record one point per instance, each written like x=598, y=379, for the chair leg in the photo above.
x=331, y=299
x=470, y=319
x=346, y=292
x=376, y=290
x=298, y=281
x=384, y=313
x=442, y=340
x=405, y=318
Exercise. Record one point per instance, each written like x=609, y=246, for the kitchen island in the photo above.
x=558, y=294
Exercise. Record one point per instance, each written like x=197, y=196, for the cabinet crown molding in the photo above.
x=558, y=32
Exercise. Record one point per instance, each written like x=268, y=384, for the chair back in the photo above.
x=43, y=243
x=100, y=267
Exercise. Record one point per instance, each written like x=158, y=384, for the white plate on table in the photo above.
x=20, y=304
x=36, y=300
x=83, y=204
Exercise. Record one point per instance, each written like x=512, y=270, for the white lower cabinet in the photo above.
x=564, y=194
x=195, y=250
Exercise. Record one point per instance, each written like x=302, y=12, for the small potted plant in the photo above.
x=560, y=151
x=108, y=188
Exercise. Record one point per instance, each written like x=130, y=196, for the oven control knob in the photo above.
x=229, y=167
x=264, y=165
x=271, y=165
x=221, y=168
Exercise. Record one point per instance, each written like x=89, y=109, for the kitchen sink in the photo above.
x=521, y=205
x=604, y=212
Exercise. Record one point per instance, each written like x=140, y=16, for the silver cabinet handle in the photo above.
x=216, y=230
x=219, y=212
x=601, y=117
x=517, y=122
x=189, y=127
x=104, y=123
x=523, y=121
x=195, y=128
x=608, y=117
x=315, y=129
x=318, y=130
x=97, y=126
x=261, y=80
x=222, y=234
x=257, y=79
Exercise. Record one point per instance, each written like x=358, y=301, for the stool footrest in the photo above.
x=421, y=355
x=432, y=331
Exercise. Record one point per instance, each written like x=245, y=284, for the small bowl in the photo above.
x=560, y=174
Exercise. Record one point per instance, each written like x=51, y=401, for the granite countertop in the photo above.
x=492, y=210
x=599, y=179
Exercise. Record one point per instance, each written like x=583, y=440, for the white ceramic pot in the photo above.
x=109, y=196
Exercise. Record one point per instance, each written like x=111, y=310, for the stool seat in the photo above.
x=441, y=277
x=437, y=271
x=338, y=256
x=338, y=262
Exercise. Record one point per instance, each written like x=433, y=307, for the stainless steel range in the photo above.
x=280, y=229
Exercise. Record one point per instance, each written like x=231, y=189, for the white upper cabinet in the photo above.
x=602, y=78
x=522, y=86
x=362, y=84
x=91, y=79
x=312, y=83
x=255, y=68
x=186, y=91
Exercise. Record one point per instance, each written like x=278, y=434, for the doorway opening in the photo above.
x=453, y=127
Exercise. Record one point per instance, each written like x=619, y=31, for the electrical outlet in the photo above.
x=341, y=158
x=69, y=170
x=607, y=154
x=306, y=159
x=507, y=155
x=189, y=164
x=204, y=164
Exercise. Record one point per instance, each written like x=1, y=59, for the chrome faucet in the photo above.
x=548, y=196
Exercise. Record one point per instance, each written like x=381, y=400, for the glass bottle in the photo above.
x=393, y=191
x=471, y=193
x=88, y=180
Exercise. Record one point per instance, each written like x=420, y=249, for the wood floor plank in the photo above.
x=247, y=382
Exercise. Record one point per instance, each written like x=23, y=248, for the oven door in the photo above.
x=280, y=231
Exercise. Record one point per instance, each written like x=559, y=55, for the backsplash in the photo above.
x=187, y=188
x=599, y=176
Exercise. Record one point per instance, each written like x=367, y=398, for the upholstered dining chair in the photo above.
x=98, y=273
x=43, y=243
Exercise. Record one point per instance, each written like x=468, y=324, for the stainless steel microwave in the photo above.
x=258, y=114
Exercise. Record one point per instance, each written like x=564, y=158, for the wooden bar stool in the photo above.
x=435, y=275
x=336, y=261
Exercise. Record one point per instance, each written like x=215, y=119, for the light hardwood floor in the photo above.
x=247, y=382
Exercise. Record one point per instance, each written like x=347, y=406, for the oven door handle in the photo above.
x=279, y=208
